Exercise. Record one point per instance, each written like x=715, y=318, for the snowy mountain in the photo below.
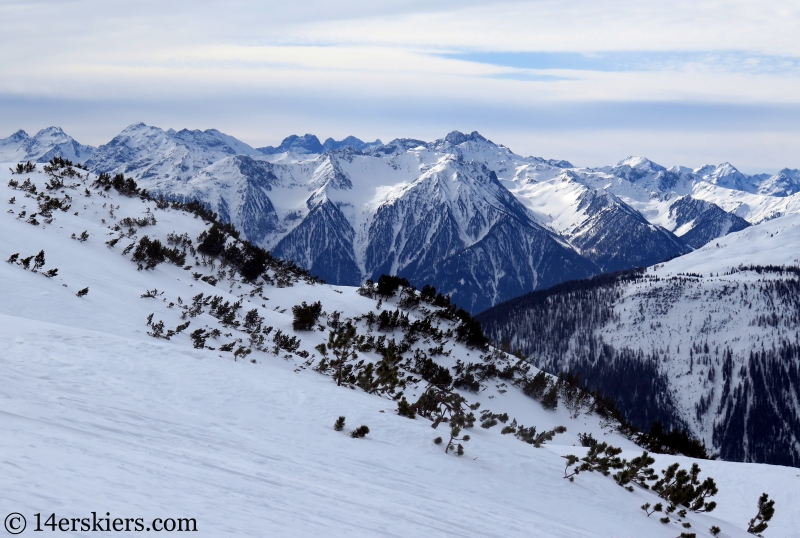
x=709, y=339
x=44, y=145
x=154, y=361
x=335, y=208
x=703, y=220
x=309, y=143
x=154, y=154
x=459, y=229
x=784, y=183
x=350, y=142
x=599, y=224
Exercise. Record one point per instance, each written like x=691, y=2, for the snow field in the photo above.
x=98, y=416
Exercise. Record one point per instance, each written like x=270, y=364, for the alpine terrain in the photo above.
x=465, y=214
x=163, y=369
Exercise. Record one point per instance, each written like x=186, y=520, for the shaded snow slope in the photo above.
x=706, y=333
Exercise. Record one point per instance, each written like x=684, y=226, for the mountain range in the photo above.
x=463, y=213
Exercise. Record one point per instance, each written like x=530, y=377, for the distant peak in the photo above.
x=50, y=130
x=457, y=137
x=638, y=162
x=308, y=143
x=19, y=135
x=727, y=167
x=351, y=142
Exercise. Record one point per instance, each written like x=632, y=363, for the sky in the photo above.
x=590, y=81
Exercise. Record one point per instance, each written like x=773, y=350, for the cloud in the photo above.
x=263, y=70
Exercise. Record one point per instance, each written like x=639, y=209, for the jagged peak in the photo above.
x=308, y=143
x=329, y=173
x=138, y=125
x=719, y=170
x=457, y=137
x=48, y=131
x=331, y=144
x=727, y=168
x=19, y=135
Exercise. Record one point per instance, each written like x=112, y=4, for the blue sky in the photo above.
x=589, y=81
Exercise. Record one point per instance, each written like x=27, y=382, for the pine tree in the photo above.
x=455, y=431
x=252, y=321
x=638, y=471
x=657, y=508
x=766, y=509
x=339, y=424
x=359, y=432
x=83, y=292
x=241, y=352
x=683, y=488
x=199, y=338
x=404, y=409
x=550, y=399
x=306, y=316
x=342, y=343
x=38, y=261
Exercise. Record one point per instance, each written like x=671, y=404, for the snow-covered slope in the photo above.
x=775, y=242
x=99, y=415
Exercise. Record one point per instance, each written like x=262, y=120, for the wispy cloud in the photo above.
x=738, y=61
x=523, y=71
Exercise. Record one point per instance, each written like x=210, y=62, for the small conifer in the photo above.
x=339, y=424
x=83, y=292
x=404, y=409
x=359, y=432
x=657, y=508
x=550, y=399
x=199, y=338
x=766, y=509
x=38, y=261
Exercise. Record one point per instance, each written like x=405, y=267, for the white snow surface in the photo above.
x=775, y=242
x=98, y=416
